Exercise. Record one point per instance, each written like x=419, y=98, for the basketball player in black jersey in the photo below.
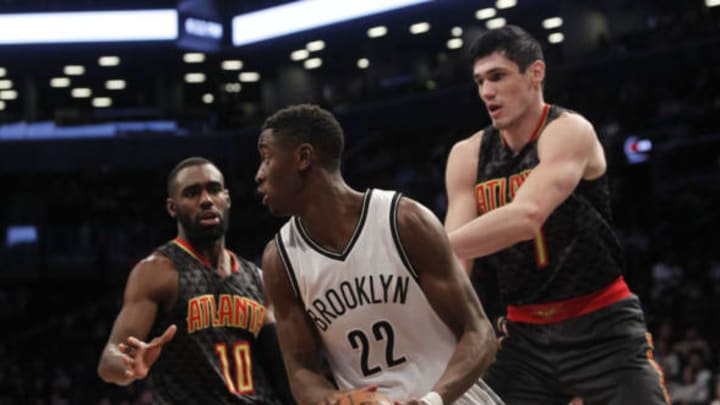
x=204, y=304
x=528, y=197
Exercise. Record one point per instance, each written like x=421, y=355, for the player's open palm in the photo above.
x=144, y=354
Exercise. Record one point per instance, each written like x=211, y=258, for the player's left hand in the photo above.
x=143, y=355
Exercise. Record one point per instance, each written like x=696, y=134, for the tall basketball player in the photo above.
x=366, y=278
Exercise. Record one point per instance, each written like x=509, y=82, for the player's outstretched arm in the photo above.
x=126, y=356
x=298, y=339
x=460, y=177
x=568, y=151
x=448, y=290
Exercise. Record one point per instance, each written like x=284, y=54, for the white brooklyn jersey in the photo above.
x=370, y=312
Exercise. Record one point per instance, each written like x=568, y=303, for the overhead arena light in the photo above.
x=196, y=77
x=101, y=102
x=313, y=63
x=377, y=32
x=6, y=84
x=194, y=57
x=2, y=105
x=495, y=23
x=74, y=70
x=59, y=82
x=502, y=4
x=300, y=54
x=456, y=31
x=455, y=43
x=249, y=77
x=3, y=71
x=485, y=13
x=81, y=92
x=552, y=23
x=419, y=28
x=556, y=37
x=8, y=95
x=282, y=20
x=712, y=3
x=108, y=61
x=315, y=46
x=232, y=64
x=115, y=84
x=363, y=63
x=89, y=26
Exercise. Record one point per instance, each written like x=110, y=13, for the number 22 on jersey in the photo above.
x=382, y=332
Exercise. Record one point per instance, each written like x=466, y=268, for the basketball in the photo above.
x=364, y=398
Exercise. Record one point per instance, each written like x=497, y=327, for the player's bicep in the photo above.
x=460, y=186
x=295, y=333
x=441, y=275
x=564, y=151
x=140, y=305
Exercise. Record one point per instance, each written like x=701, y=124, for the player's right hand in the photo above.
x=139, y=356
x=336, y=397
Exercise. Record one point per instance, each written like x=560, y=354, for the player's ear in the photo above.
x=227, y=196
x=536, y=70
x=305, y=155
x=170, y=206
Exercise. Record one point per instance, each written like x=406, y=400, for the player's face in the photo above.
x=201, y=203
x=278, y=175
x=506, y=92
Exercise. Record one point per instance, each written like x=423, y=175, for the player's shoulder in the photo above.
x=155, y=262
x=573, y=122
x=469, y=144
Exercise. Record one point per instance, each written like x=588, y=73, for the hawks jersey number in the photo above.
x=242, y=383
x=381, y=331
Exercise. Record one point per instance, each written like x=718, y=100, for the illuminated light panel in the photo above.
x=194, y=57
x=89, y=26
x=248, y=77
x=8, y=95
x=495, y=23
x=6, y=84
x=552, y=23
x=59, y=82
x=363, y=63
x=108, y=61
x=299, y=55
x=556, y=37
x=101, y=102
x=194, y=77
x=503, y=4
x=485, y=13
x=456, y=31
x=419, y=28
x=455, y=43
x=115, y=84
x=377, y=32
x=285, y=19
x=81, y=92
x=74, y=70
x=208, y=98
x=312, y=63
x=231, y=64
x=315, y=46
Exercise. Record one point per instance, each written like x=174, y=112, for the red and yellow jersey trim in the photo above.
x=184, y=245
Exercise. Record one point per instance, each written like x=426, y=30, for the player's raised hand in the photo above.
x=140, y=356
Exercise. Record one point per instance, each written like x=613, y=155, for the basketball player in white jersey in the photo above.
x=366, y=279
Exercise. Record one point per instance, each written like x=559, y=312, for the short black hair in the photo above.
x=191, y=161
x=512, y=41
x=308, y=123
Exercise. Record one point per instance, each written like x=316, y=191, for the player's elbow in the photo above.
x=532, y=219
x=488, y=343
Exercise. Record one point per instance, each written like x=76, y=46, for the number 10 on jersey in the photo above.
x=242, y=383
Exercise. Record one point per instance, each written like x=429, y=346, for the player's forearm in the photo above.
x=309, y=385
x=474, y=353
x=494, y=231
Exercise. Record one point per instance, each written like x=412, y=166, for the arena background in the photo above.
x=84, y=151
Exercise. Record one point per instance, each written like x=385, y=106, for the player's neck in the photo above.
x=332, y=213
x=519, y=133
x=213, y=252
